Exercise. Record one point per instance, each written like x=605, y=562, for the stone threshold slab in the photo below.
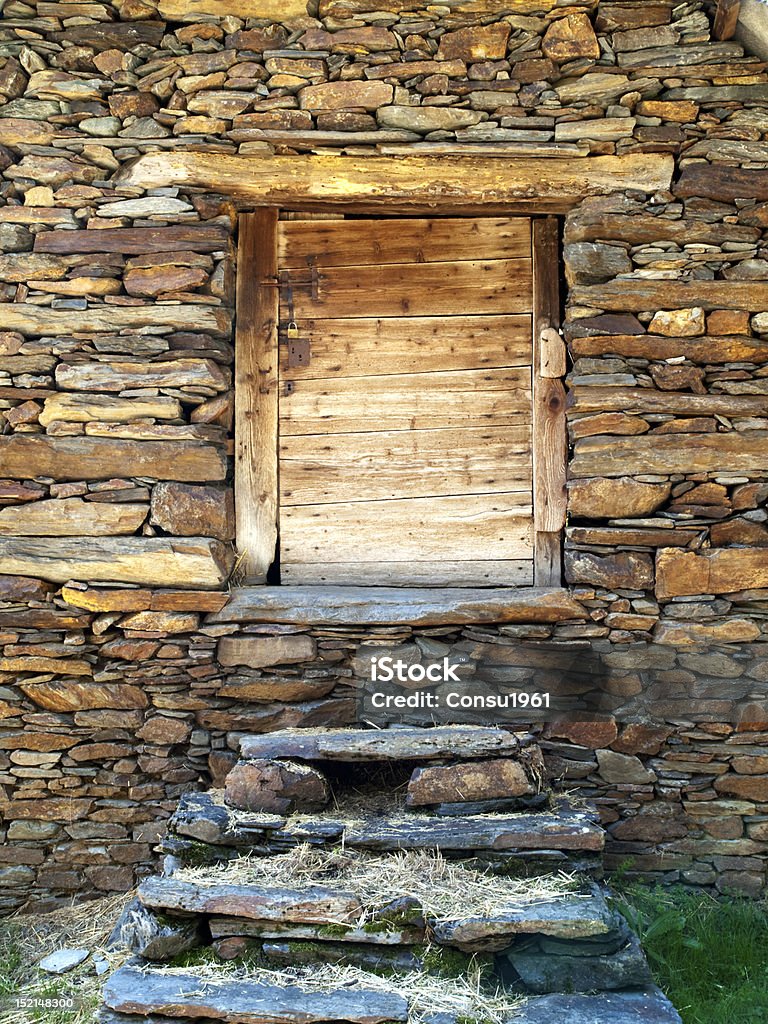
x=391, y=606
x=407, y=743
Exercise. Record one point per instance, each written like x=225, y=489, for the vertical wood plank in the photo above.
x=726, y=19
x=256, y=383
x=550, y=450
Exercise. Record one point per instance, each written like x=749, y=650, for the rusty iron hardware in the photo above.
x=298, y=348
x=291, y=279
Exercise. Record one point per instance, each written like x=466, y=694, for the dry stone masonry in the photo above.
x=127, y=674
x=413, y=904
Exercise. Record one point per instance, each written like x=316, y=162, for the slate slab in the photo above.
x=241, y=1001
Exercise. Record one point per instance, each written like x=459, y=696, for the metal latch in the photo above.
x=298, y=348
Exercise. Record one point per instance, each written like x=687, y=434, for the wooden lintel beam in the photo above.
x=410, y=183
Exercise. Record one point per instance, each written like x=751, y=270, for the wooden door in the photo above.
x=405, y=429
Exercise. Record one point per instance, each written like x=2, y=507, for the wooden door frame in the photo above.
x=257, y=383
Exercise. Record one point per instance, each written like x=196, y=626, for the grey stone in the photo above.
x=542, y=972
x=427, y=119
x=63, y=960
x=15, y=238
x=152, y=936
x=130, y=990
x=650, y=1007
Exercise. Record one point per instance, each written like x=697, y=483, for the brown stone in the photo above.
x=497, y=779
x=569, y=38
x=739, y=531
x=164, y=731
x=637, y=738
x=679, y=378
x=277, y=787
x=681, y=111
x=133, y=104
x=275, y=689
x=161, y=622
x=130, y=650
x=346, y=95
x=728, y=321
x=185, y=511
x=624, y=569
x=746, y=787
x=715, y=571
x=366, y=39
x=608, y=423
x=23, y=588
x=42, y=741
x=756, y=764
x=261, y=652
x=65, y=809
x=100, y=751
x=475, y=43
x=152, y=281
x=617, y=498
x=61, y=695
x=66, y=666
x=688, y=634
x=623, y=769
x=592, y=734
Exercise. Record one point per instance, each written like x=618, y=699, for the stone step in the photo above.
x=645, y=1007
x=136, y=993
x=204, y=818
x=268, y=911
x=402, y=743
x=580, y=969
x=310, y=905
x=141, y=996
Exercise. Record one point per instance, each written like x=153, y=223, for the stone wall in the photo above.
x=115, y=392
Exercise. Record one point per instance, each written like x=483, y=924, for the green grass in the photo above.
x=709, y=954
x=24, y=940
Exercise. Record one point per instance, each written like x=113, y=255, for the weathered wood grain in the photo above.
x=415, y=528
x=716, y=571
x=440, y=573
x=133, y=241
x=184, y=562
x=416, y=401
x=734, y=452
x=334, y=606
x=37, y=320
x=635, y=296
x=71, y=517
x=366, y=346
x=374, y=243
x=549, y=435
x=410, y=183
x=80, y=458
x=646, y=400
x=419, y=289
x=256, y=401
x=365, y=467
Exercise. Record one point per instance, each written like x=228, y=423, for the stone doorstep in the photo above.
x=408, y=743
x=132, y=995
x=204, y=817
x=420, y=606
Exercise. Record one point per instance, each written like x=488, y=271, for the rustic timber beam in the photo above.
x=411, y=183
x=418, y=606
